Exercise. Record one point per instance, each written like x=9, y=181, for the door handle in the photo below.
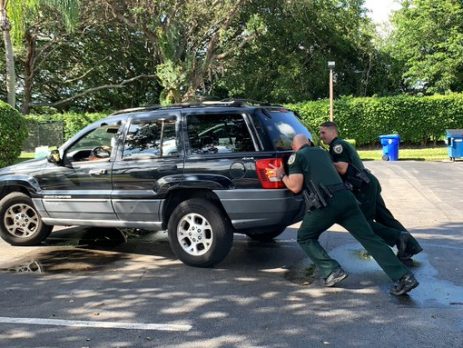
x=167, y=169
x=96, y=172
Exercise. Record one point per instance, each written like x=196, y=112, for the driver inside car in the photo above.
x=102, y=152
x=99, y=153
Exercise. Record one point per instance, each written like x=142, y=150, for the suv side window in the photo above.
x=151, y=139
x=218, y=133
x=95, y=145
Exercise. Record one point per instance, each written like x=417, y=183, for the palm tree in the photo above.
x=13, y=22
x=9, y=56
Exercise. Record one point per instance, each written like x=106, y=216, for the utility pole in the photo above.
x=331, y=65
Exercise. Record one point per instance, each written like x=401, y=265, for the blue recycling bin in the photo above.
x=390, y=145
x=455, y=143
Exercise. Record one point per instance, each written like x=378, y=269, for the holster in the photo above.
x=313, y=198
x=356, y=178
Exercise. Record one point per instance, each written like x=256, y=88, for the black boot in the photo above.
x=406, y=248
x=408, y=262
x=335, y=277
x=402, y=243
x=404, y=285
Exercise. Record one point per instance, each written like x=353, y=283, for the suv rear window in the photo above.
x=280, y=127
x=218, y=133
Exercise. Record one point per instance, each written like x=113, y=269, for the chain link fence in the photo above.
x=44, y=134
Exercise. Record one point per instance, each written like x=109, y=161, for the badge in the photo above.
x=291, y=159
x=337, y=149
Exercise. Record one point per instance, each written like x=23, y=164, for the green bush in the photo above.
x=73, y=122
x=417, y=120
x=13, y=131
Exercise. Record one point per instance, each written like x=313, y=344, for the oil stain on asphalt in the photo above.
x=64, y=261
x=77, y=252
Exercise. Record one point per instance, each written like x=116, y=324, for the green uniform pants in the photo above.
x=368, y=197
x=384, y=216
x=378, y=216
x=343, y=209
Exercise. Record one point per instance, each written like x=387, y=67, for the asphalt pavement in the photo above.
x=100, y=288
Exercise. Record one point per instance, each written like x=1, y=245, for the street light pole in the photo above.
x=331, y=65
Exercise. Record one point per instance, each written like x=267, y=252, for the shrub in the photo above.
x=417, y=119
x=13, y=131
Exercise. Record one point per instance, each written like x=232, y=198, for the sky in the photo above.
x=381, y=9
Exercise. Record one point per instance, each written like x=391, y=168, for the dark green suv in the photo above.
x=198, y=171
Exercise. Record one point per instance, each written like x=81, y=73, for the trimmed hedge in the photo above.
x=415, y=119
x=73, y=122
x=13, y=131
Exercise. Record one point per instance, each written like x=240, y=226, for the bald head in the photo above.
x=299, y=140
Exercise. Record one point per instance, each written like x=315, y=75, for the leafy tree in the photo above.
x=14, y=18
x=188, y=38
x=288, y=60
x=102, y=65
x=427, y=41
x=128, y=53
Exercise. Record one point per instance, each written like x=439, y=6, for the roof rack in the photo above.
x=246, y=102
x=139, y=108
x=231, y=102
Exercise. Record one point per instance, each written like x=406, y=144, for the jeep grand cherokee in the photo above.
x=197, y=170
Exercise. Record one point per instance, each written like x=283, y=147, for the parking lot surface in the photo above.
x=100, y=288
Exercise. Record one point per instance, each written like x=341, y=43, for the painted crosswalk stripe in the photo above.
x=96, y=324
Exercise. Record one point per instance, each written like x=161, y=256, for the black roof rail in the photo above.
x=231, y=102
x=161, y=107
x=140, y=108
x=247, y=102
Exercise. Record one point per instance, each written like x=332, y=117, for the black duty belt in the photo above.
x=336, y=188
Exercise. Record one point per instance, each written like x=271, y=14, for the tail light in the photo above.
x=266, y=174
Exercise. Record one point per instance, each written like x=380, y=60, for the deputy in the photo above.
x=367, y=190
x=311, y=171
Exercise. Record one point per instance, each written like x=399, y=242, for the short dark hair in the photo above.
x=329, y=124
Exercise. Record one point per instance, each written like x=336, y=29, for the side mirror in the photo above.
x=54, y=157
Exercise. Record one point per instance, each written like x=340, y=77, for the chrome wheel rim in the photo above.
x=194, y=234
x=21, y=220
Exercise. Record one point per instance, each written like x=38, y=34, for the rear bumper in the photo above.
x=261, y=208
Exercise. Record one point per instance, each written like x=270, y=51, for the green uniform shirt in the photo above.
x=315, y=164
x=342, y=151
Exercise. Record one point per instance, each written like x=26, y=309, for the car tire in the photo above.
x=20, y=224
x=199, y=233
x=266, y=236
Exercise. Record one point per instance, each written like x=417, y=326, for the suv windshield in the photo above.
x=281, y=126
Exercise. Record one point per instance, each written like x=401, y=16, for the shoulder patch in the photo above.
x=338, y=149
x=291, y=159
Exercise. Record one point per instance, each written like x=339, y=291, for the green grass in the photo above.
x=410, y=154
x=26, y=155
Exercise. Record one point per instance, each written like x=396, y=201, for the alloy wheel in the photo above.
x=195, y=234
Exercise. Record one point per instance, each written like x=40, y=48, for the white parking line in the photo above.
x=96, y=324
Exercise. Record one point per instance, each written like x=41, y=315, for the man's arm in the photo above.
x=341, y=167
x=293, y=182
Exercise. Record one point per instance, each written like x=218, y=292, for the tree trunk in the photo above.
x=9, y=56
x=29, y=73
